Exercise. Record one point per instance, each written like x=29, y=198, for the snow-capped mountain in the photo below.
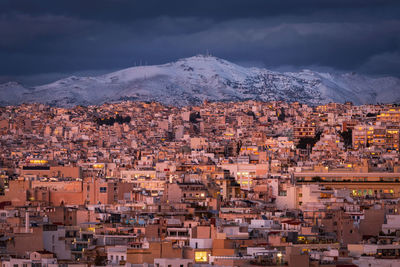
x=192, y=80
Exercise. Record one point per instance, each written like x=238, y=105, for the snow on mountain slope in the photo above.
x=11, y=93
x=192, y=80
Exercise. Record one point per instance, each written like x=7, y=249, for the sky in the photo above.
x=45, y=40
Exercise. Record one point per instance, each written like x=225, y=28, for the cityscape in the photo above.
x=188, y=133
x=236, y=183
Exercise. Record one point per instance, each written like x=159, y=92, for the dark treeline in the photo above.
x=304, y=142
x=111, y=120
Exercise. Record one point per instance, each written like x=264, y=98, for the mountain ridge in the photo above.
x=190, y=81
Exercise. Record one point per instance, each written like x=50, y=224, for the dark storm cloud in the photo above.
x=54, y=38
x=128, y=10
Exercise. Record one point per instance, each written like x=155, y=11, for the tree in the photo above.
x=100, y=260
x=347, y=137
x=306, y=142
x=194, y=116
x=251, y=113
x=238, y=147
x=281, y=115
x=111, y=120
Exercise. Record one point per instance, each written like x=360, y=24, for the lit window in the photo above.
x=200, y=256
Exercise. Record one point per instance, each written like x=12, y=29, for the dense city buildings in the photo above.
x=223, y=184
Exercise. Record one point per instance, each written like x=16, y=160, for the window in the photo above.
x=282, y=193
x=103, y=189
x=112, y=257
x=122, y=258
x=200, y=256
